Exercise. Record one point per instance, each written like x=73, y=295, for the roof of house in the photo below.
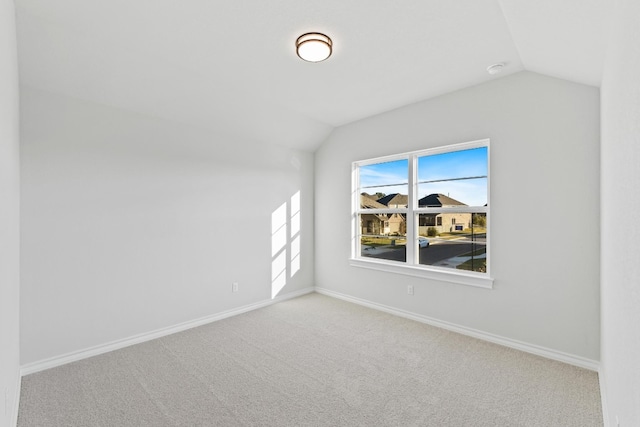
x=369, y=203
x=371, y=196
x=438, y=200
x=395, y=199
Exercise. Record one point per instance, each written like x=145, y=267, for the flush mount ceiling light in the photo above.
x=495, y=68
x=314, y=47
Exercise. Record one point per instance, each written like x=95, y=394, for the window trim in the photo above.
x=410, y=267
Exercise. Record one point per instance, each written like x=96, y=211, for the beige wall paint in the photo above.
x=132, y=224
x=620, y=196
x=544, y=166
x=9, y=218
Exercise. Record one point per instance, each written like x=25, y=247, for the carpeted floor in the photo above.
x=313, y=361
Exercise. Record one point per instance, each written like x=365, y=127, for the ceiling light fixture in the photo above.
x=314, y=47
x=495, y=68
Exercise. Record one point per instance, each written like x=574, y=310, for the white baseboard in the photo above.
x=548, y=353
x=52, y=362
x=140, y=338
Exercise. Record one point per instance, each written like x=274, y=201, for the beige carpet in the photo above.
x=312, y=361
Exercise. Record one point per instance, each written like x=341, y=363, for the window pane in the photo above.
x=468, y=192
x=384, y=185
x=455, y=240
x=460, y=175
x=383, y=236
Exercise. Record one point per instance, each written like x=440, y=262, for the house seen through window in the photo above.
x=427, y=209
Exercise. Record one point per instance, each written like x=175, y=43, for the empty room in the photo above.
x=337, y=213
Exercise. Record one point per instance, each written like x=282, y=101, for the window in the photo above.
x=425, y=213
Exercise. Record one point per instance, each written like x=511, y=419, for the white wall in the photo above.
x=132, y=223
x=544, y=204
x=620, y=207
x=9, y=217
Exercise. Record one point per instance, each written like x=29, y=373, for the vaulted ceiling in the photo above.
x=231, y=65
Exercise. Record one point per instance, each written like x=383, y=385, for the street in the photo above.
x=434, y=253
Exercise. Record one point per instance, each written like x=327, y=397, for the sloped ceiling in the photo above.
x=231, y=65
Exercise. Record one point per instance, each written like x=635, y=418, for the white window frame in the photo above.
x=412, y=267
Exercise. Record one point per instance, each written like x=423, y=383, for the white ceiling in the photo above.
x=231, y=65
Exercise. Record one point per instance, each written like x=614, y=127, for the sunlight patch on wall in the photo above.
x=285, y=238
x=278, y=229
x=278, y=249
x=295, y=233
x=278, y=273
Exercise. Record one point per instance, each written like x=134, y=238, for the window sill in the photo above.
x=424, y=272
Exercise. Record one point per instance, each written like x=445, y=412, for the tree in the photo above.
x=480, y=220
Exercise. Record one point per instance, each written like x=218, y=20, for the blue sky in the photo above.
x=392, y=177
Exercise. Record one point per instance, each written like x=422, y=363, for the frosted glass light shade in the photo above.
x=314, y=47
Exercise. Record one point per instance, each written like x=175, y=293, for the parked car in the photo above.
x=423, y=242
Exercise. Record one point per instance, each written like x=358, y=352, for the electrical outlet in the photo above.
x=234, y=287
x=410, y=289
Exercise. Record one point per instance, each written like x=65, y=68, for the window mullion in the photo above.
x=355, y=208
x=412, y=234
x=454, y=209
